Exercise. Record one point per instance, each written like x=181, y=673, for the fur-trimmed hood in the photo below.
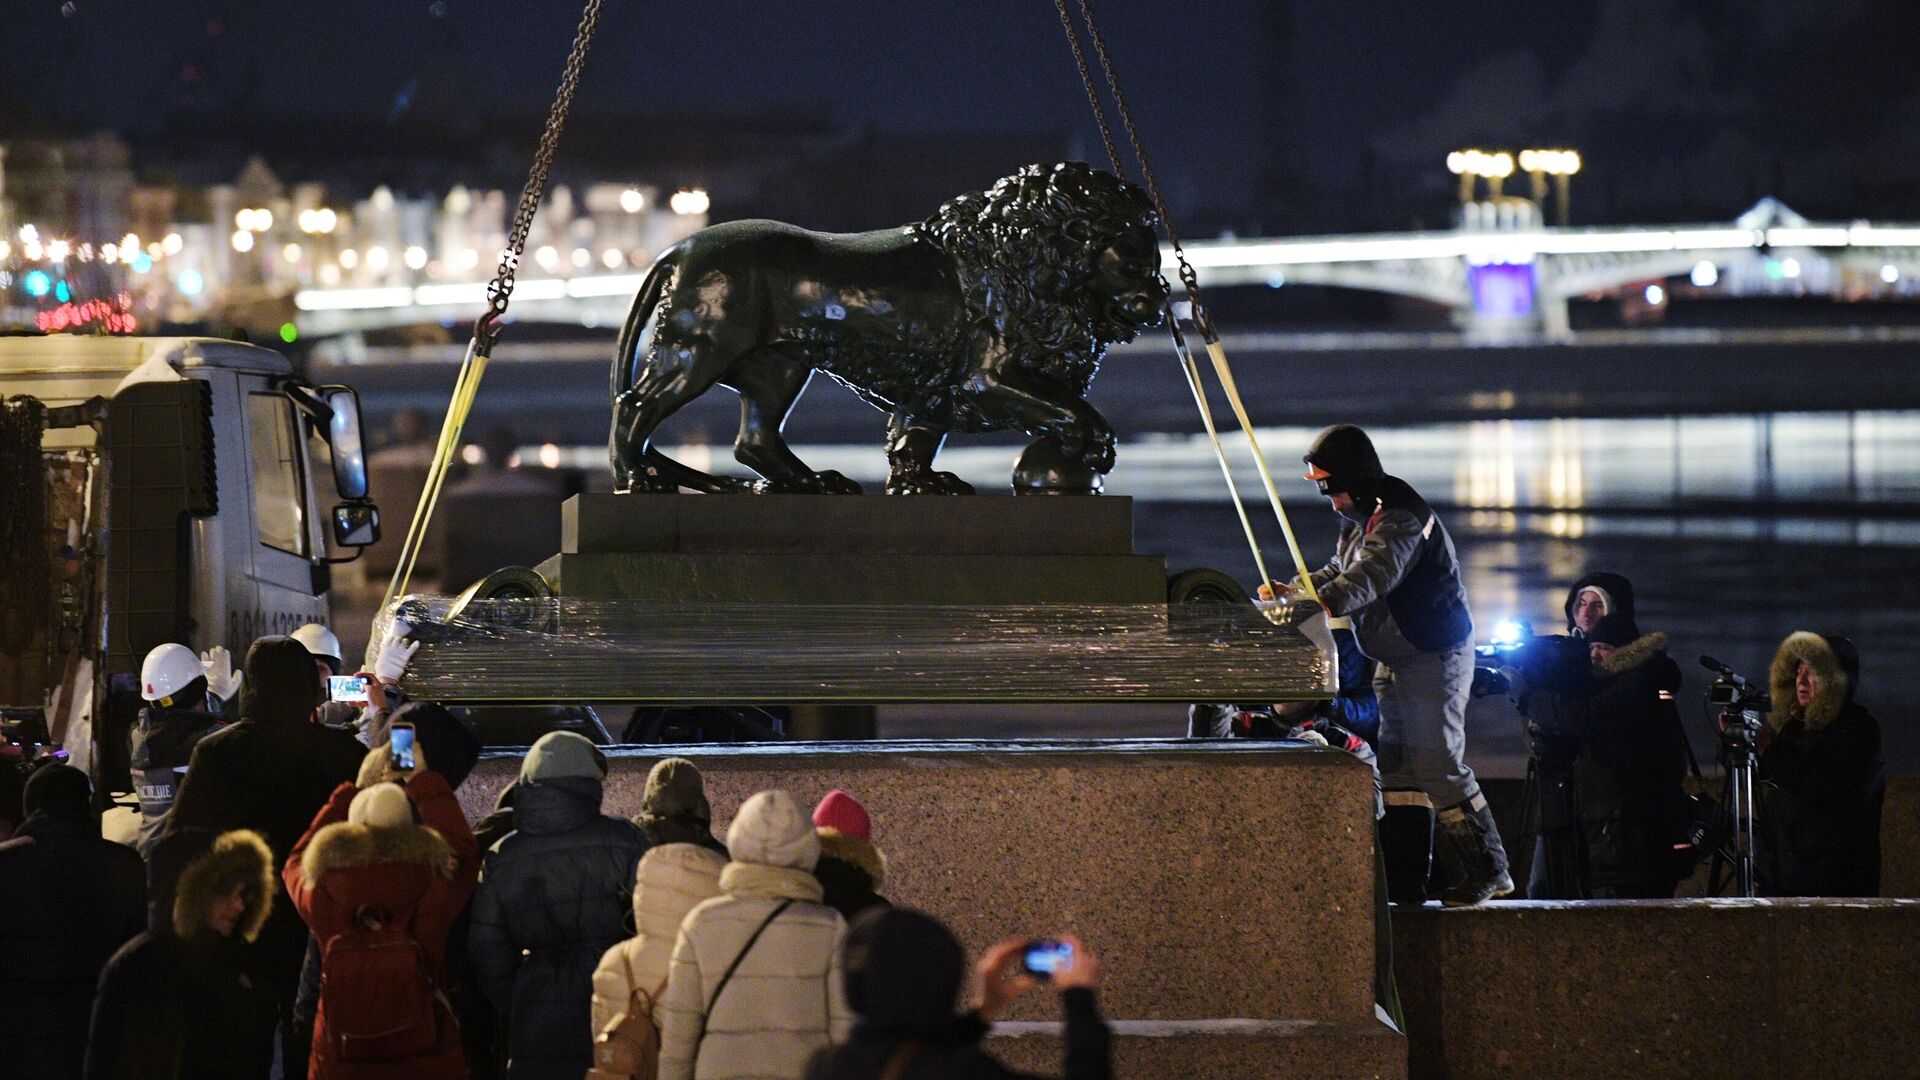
x=343, y=845
x=1634, y=653
x=1834, y=663
x=835, y=844
x=240, y=856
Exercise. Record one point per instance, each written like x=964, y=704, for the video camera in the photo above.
x=1743, y=708
x=1543, y=661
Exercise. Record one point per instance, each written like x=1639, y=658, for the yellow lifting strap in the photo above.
x=466, y=387
x=486, y=330
x=1222, y=369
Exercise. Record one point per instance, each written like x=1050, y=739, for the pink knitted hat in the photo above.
x=843, y=814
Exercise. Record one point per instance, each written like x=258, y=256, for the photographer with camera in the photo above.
x=1609, y=761
x=1823, y=775
x=903, y=977
x=1394, y=573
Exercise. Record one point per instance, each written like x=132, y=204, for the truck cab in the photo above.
x=193, y=490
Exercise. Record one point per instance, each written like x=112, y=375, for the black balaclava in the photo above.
x=1342, y=458
x=903, y=971
x=281, y=685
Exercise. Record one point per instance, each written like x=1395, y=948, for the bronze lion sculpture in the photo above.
x=992, y=314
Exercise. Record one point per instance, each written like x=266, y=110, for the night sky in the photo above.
x=1684, y=109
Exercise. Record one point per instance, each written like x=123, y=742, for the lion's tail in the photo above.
x=626, y=356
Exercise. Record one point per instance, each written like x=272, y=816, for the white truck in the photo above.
x=192, y=490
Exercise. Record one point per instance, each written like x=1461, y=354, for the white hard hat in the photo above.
x=168, y=670
x=319, y=641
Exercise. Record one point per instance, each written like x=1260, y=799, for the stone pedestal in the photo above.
x=1227, y=887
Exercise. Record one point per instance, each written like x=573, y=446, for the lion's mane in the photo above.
x=1025, y=249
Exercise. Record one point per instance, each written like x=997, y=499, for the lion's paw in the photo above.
x=921, y=482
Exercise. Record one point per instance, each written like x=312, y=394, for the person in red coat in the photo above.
x=380, y=892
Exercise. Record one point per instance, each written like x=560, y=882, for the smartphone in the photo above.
x=349, y=688
x=1044, y=956
x=400, y=744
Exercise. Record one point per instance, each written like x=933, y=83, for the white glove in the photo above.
x=222, y=680
x=395, y=653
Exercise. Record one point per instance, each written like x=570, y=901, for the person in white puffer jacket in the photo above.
x=672, y=879
x=783, y=1000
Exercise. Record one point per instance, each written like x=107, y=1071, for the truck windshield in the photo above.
x=279, y=496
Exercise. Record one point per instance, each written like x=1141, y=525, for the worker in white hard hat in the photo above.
x=367, y=718
x=185, y=697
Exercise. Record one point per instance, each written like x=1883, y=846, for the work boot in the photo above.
x=1467, y=847
x=1406, y=842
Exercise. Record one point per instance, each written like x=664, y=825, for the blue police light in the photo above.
x=190, y=282
x=37, y=283
x=142, y=263
x=61, y=292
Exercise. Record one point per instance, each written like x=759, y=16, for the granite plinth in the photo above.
x=1680, y=988
x=920, y=525
x=1220, y=1049
x=1215, y=881
x=1900, y=837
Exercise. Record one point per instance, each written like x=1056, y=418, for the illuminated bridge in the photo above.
x=1499, y=282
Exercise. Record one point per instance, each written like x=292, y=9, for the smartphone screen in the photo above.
x=1043, y=958
x=400, y=745
x=350, y=688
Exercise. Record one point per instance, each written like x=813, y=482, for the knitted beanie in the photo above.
x=843, y=814
x=381, y=806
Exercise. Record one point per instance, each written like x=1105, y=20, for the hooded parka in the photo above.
x=182, y=1001
x=554, y=896
x=344, y=875
x=672, y=880
x=1617, y=747
x=784, y=1001
x=1616, y=595
x=1823, y=778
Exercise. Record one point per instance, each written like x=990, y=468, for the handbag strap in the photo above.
x=735, y=966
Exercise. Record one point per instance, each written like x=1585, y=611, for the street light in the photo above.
x=633, y=200
x=1470, y=165
x=689, y=201
x=1559, y=164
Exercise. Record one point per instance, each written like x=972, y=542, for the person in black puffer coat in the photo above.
x=1822, y=776
x=851, y=869
x=555, y=895
x=903, y=978
x=1611, y=763
x=271, y=773
x=68, y=900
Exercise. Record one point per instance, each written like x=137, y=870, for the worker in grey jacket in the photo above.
x=1395, y=576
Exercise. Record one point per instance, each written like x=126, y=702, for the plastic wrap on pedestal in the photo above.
x=565, y=649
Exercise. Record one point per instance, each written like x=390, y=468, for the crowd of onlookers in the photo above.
x=309, y=904
x=305, y=895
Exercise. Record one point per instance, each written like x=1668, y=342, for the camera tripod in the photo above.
x=1733, y=830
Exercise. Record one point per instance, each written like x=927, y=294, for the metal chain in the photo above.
x=1093, y=94
x=486, y=330
x=1188, y=278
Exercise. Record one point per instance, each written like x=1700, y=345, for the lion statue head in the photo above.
x=1064, y=261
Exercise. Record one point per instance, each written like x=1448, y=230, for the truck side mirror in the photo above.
x=356, y=524
x=349, y=449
